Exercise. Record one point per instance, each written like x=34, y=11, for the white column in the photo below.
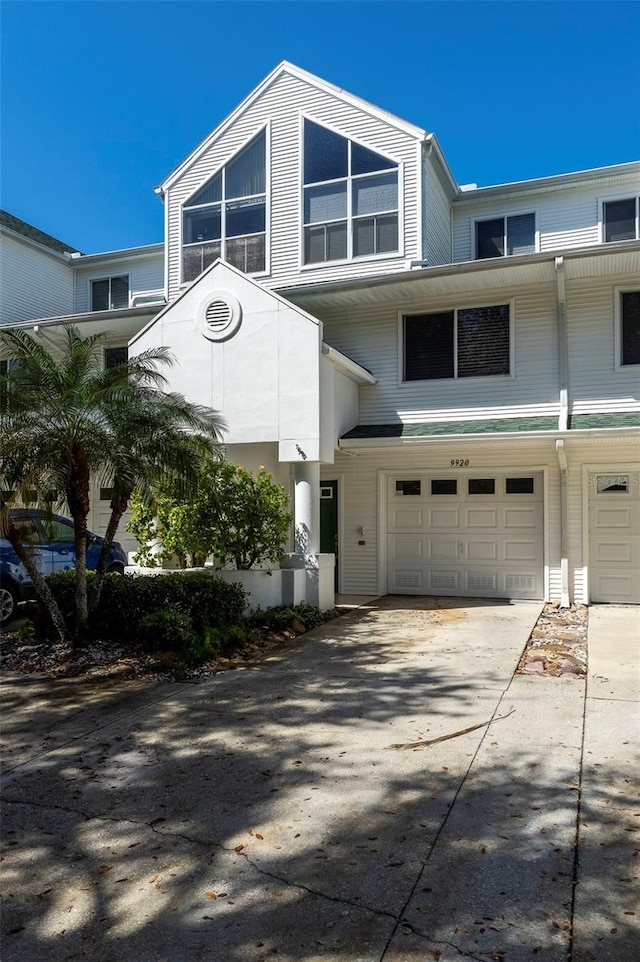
x=307, y=507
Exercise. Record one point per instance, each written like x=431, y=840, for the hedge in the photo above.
x=126, y=600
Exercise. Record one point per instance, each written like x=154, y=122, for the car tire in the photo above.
x=8, y=603
x=116, y=569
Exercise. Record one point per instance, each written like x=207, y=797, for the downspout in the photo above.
x=564, y=515
x=563, y=348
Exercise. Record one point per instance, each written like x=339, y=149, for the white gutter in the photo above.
x=66, y=320
x=596, y=435
x=146, y=250
x=564, y=517
x=563, y=345
x=351, y=368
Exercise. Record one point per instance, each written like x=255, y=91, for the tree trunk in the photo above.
x=77, y=493
x=118, y=508
x=42, y=589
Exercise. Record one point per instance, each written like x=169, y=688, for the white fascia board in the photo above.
x=588, y=435
x=432, y=141
x=69, y=320
x=146, y=250
x=317, y=82
x=246, y=278
x=346, y=366
x=63, y=258
x=555, y=182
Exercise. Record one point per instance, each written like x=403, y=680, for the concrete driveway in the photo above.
x=265, y=814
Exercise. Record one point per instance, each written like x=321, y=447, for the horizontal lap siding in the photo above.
x=595, y=385
x=34, y=284
x=281, y=106
x=359, y=493
x=370, y=336
x=565, y=218
x=437, y=218
x=145, y=274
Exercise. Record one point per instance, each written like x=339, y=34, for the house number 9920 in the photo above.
x=459, y=462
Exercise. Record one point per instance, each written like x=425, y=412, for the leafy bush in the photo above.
x=126, y=600
x=166, y=630
x=283, y=616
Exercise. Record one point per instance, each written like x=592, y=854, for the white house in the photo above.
x=447, y=378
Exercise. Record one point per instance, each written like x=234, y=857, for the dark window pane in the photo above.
x=314, y=245
x=482, y=485
x=119, y=292
x=364, y=237
x=620, y=220
x=336, y=241
x=483, y=341
x=387, y=233
x=631, y=327
x=106, y=494
x=364, y=161
x=448, y=486
x=328, y=202
x=100, y=295
x=246, y=253
x=408, y=487
x=428, y=346
x=201, y=225
x=521, y=234
x=245, y=217
x=519, y=486
x=325, y=154
x=490, y=238
x=246, y=174
x=113, y=356
x=210, y=193
x=196, y=258
x=55, y=530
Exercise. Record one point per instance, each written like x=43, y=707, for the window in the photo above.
x=612, y=484
x=620, y=220
x=482, y=486
x=519, y=486
x=448, y=486
x=630, y=327
x=227, y=216
x=110, y=293
x=468, y=342
x=408, y=488
x=350, y=206
x=113, y=356
x=506, y=235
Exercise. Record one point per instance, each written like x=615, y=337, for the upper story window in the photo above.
x=630, y=327
x=620, y=219
x=502, y=236
x=227, y=216
x=468, y=342
x=350, y=198
x=114, y=356
x=110, y=293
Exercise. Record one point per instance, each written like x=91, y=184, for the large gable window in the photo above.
x=468, y=342
x=350, y=206
x=502, y=236
x=227, y=216
x=620, y=220
x=110, y=293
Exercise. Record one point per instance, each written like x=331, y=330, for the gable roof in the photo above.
x=13, y=223
x=288, y=68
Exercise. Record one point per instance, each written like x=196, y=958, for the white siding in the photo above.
x=370, y=335
x=146, y=273
x=595, y=386
x=565, y=218
x=360, y=497
x=437, y=217
x=34, y=283
x=281, y=107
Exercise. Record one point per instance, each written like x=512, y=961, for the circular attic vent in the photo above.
x=219, y=316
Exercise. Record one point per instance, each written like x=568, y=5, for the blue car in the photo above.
x=52, y=539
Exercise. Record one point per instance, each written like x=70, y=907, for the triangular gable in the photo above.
x=287, y=68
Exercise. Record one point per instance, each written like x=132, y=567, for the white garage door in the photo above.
x=479, y=535
x=614, y=537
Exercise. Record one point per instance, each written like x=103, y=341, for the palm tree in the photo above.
x=65, y=421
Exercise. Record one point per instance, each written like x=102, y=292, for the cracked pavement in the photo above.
x=263, y=814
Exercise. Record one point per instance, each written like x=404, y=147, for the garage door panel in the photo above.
x=614, y=538
x=465, y=546
x=609, y=517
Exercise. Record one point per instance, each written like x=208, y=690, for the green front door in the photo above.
x=329, y=522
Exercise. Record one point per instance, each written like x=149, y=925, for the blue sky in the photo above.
x=101, y=100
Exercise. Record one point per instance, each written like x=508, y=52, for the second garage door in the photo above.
x=469, y=536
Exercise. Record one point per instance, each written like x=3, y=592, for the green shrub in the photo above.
x=282, y=616
x=166, y=631
x=127, y=599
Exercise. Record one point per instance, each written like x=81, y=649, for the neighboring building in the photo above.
x=447, y=378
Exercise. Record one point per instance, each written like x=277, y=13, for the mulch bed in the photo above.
x=558, y=643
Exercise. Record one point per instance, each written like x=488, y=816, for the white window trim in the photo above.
x=629, y=195
x=182, y=284
x=504, y=215
x=350, y=258
x=107, y=277
x=619, y=367
x=485, y=378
